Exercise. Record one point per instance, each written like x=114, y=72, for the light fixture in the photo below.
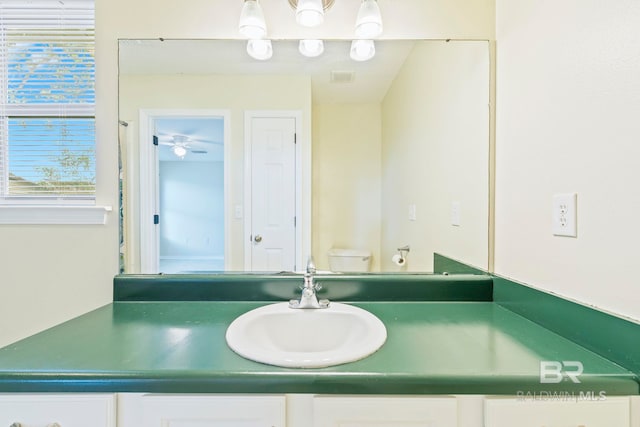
x=362, y=50
x=252, y=24
x=311, y=48
x=260, y=49
x=179, y=151
x=369, y=21
x=310, y=13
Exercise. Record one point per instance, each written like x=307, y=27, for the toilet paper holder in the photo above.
x=401, y=257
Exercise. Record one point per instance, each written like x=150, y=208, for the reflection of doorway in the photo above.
x=274, y=205
x=183, y=192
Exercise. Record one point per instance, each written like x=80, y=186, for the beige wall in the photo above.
x=568, y=108
x=437, y=110
x=216, y=92
x=346, y=179
x=39, y=290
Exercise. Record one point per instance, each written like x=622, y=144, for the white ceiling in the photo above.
x=371, y=79
x=371, y=82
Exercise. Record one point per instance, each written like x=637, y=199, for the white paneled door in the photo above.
x=272, y=236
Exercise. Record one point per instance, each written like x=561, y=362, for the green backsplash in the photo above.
x=282, y=287
x=612, y=337
x=443, y=264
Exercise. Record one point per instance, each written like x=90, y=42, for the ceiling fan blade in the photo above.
x=207, y=141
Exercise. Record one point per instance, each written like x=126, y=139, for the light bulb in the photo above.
x=362, y=50
x=311, y=48
x=179, y=151
x=369, y=21
x=252, y=24
x=260, y=49
x=309, y=13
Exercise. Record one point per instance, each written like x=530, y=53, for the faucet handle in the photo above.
x=311, y=265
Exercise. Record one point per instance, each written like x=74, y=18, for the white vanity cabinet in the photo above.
x=193, y=410
x=57, y=410
x=161, y=410
x=391, y=411
x=547, y=412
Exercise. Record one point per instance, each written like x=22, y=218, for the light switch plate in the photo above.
x=238, y=212
x=455, y=214
x=564, y=217
x=412, y=212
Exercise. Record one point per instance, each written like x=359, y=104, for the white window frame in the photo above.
x=54, y=209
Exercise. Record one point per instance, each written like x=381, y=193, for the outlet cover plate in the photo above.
x=564, y=219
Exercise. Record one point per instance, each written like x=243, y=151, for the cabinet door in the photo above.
x=211, y=411
x=45, y=410
x=610, y=412
x=384, y=411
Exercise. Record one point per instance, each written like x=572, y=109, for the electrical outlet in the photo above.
x=565, y=215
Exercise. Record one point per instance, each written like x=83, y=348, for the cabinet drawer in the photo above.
x=384, y=411
x=69, y=410
x=610, y=412
x=191, y=410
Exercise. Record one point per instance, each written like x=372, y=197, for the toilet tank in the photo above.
x=349, y=260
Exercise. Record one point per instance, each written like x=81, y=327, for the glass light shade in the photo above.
x=311, y=48
x=362, y=50
x=252, y=24
x=369, y=21
x=260, y=49
x=179, y=151
x=309, y=13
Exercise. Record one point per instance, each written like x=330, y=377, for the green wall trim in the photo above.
x=283, y=287
x=444, y=264
x=612, y=337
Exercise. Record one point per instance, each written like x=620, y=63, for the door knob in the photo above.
x=258, y=238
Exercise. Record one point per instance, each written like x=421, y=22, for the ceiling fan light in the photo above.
x=179, y=151
x=369, y=20
x=309, y=13
x=311, y=48
x=260, y=49
x=362, y=50
x=252, y=24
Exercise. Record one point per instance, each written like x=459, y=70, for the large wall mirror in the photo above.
x=235, y=164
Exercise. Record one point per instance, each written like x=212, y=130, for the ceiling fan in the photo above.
x=181, y=144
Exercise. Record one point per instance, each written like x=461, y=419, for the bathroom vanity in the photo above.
x=453, y=357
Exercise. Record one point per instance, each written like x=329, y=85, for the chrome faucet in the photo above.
x=308, y=299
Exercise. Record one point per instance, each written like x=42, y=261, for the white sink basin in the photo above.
x=306, y=338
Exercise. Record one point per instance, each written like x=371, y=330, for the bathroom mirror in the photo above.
x=389, y=153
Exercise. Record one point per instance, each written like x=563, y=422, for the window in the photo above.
x=47, y=102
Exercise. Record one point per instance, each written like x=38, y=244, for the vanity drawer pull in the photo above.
x=48, y=425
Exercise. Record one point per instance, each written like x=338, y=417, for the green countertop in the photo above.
x=179, y=347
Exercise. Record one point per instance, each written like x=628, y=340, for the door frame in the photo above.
x=149, y=188
x=303, y=184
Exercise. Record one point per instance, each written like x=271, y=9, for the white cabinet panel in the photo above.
x=69, y=410
x=611, y=412
x=165, y=410
x=384, y=411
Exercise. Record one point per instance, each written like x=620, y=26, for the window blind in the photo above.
x=47, y=100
